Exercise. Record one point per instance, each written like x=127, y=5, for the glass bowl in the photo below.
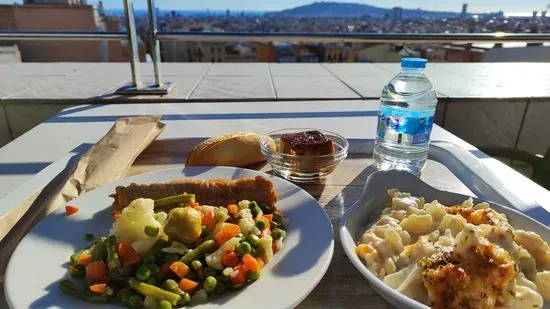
x=299, y=168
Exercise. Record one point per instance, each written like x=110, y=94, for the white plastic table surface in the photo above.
x=76, y=128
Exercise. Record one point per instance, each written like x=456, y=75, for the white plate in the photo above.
x=40, y=260
x=369, y=206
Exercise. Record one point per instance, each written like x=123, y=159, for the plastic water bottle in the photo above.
x=405, y=119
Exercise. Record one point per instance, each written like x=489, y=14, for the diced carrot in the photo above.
x=100, y=288
x=128, y=256
x=164, y=269
x=239, y=275
x=269, y=217
x=208, y=220
x=251, y=263
x=230, y=259
x=229, y=231
x=261, y=262
x=232, y=208
x=131, y=259
x=96, y=270
x=84, y=259
x=70, y=210
x=179, y=269
x=187, y=285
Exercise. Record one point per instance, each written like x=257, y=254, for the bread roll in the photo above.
x=234, y=149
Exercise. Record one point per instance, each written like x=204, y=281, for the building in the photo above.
x=463, y=53
x=118, y=51
x=397, y=13
x=52, y=17
x=464, y=11
x=10, y=53
x=385, y=53
x=518, y=54
x=337, y=52
x=69, y=2
x=266, y=52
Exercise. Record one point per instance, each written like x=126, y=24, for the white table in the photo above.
x=76, y=128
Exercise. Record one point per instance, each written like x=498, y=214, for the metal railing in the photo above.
x=137, y=87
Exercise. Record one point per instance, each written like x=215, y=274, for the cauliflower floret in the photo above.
x=130, y=226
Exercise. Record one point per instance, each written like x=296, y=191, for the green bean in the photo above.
x=244, y=248
x=151, y=230
x=73, y=290
x=171, y=258
x=113, y=261
x=209, y=284
x=161, y=243
x=175, y=200
x=198, y=252
x=77, y=270
x=143, y=273
x=278, y=233
x=252, y=239
x=265, y=209
x=78, y=253
x=196, y=265
x=99, y=250
x=153, y=291
x=163, y=304
x=172, y=286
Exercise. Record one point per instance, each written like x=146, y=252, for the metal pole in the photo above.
x=155, y=46
x=132, y=42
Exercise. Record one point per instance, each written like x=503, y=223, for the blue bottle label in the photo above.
x=409, y=127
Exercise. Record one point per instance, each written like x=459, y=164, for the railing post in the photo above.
x=155, y=46
x=132, y=42
x=136, y=87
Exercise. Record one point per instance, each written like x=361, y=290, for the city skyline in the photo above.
x=267, y=5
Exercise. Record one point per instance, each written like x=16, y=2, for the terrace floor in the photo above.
x=487, y=104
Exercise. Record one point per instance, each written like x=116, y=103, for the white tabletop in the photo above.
x=76, y=128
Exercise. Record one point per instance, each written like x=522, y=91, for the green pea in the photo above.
x=254, y=208
x=185, y=299
x=171, y=258
x=151, y=280
x=126, y=296
x=277, y=216
x=209, y=271
x=252, y=240
x=209, y=284
x=135, y=301
x=260, y=224
x=244, y=248
x=164, y=304
x=253, y=275
x=196, y=265
x=151, y=231
x=278, y=233
x=171, y=285
x=143, y=273
x=154, y=268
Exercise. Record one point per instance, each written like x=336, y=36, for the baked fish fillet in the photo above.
x=215, y=192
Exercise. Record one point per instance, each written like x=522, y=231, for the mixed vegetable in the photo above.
x=166, y=260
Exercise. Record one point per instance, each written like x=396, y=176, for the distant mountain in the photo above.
x=339, y=9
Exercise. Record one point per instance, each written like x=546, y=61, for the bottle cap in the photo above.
x=418, y=63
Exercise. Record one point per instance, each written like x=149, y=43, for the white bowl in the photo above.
x=369, y=207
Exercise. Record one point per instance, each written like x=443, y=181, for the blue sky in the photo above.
x=452, y=5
